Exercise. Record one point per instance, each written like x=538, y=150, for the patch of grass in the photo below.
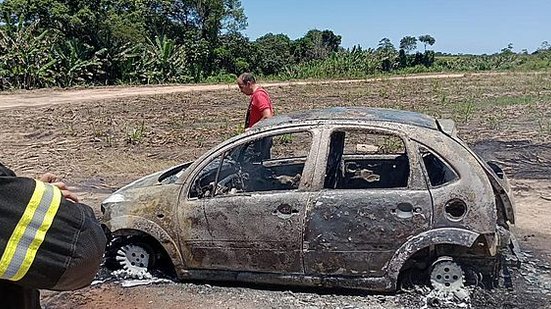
x=383, y=93
x=510, y=101
x=232, y=130
x=464, y=111
x=391, y=145
x=136, y=134
x=178, y=121
x=285, y=138
x=544, y=124
x=102, y=126
x=493, y=122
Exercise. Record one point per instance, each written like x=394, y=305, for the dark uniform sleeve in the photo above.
x=4, y=171
x=46, y=241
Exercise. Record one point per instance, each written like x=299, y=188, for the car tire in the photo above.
x=131, y=255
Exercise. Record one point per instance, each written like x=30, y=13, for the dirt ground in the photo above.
x=98, y=142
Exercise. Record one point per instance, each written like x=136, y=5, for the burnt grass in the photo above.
x=99, y=146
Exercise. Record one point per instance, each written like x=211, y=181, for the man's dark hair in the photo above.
x=247, y=77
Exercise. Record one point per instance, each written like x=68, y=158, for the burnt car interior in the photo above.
x=267, y=164
x=360, y=159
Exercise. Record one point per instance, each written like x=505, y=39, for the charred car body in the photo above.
x=348, y=197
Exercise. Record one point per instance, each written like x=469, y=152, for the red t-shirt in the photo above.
x=260, y=100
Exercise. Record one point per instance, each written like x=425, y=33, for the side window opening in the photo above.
x=268, y=164
x=439, y=172
x=364, y=159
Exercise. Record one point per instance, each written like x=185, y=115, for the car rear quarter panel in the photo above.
x=472, y=187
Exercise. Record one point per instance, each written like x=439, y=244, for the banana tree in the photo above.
x=26, y=55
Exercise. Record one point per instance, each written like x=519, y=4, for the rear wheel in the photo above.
x=446, y=275
x=447, y=279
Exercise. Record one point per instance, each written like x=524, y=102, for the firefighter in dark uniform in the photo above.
x=47, y=240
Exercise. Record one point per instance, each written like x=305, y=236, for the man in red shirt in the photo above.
x=260, y=106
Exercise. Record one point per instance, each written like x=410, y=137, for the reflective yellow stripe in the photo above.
x=21, y=226
x=40, y=234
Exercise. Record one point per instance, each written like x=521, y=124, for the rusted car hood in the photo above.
x=163, y=177
x=127, y=192
x=152, y=194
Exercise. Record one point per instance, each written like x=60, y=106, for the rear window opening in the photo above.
x=363, y=159
x=439, y=173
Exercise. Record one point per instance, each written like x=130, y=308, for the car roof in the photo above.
x=362, y=114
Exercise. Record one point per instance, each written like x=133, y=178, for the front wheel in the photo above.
x=136, y=259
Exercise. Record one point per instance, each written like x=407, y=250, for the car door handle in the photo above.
x=285, y=209
x=404, y=210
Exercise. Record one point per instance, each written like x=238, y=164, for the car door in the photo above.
x=372, y=199
x=252, y=199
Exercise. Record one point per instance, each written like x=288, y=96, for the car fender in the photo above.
x=452, y=236
x=141, y=224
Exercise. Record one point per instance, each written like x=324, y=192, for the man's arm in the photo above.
x=4, y=171
x=60, y=243
x=267, y=113
x=48, y=178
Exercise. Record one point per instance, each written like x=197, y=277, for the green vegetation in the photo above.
x=136, y=134
x=59, y=43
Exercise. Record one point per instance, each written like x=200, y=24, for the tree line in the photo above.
x=63, y=43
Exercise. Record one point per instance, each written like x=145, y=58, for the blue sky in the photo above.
x=459, y=26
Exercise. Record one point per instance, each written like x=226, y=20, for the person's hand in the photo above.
x=49, y=178
x=66, y=192
x=54, y=180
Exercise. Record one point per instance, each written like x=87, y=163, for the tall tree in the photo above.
x=274, y=52
x=386, y=47
x=75, y=19
x=427, y=39
x=26, y=56
x=386, y=53
x=544, y=46
x=508, y=49
x=315, y=45
x=106, y=23
x=408, y=43
x=210, y=18
x=236, y=54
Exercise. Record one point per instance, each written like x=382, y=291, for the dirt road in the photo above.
x=49, y=97
x=103, y=139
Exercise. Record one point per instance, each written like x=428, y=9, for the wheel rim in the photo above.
x=134, y=259
x=447, y=276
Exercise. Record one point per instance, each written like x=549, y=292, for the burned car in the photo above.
x=338, y=197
